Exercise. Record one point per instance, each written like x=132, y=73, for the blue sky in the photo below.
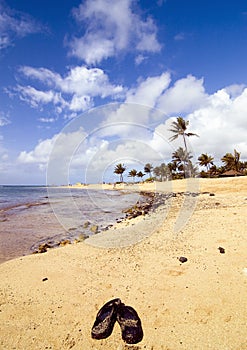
x=63, y=63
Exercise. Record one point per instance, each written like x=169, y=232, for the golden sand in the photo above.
x=49, y=301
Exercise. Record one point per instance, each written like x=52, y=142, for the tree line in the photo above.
x=181, y=165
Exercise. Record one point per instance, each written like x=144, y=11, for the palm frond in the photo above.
x=191, y=134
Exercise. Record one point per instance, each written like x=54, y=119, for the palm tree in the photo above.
x=193, y=169
x=133, y=173
x=231, y=162
x=157, y=171
x=148, y=169
x=172, y=167
x=140, y=174
x=179, y=129
x=162, y=171
x=243, y=167
x=214, y=171
x=182, y=158
x=120, y=169
x=205, y=160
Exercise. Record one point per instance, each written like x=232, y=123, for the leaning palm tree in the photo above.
x=205, y=160
x=133, y=174
x=120, y=169
x=231, y=162
x=179, y=129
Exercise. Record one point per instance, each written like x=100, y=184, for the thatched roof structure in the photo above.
x=232, y=173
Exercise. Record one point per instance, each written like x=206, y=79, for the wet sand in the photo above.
x=50, y=300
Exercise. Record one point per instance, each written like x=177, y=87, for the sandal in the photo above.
x=105, y=320
x=130, y=324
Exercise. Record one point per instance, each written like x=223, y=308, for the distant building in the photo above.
x=231, y=173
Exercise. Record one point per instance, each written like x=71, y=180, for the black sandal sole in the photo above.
x=130, y=324
x=105, y=320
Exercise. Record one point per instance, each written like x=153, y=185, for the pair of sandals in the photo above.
x=128, y=319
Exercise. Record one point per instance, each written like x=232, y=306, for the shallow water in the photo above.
x=30, y=216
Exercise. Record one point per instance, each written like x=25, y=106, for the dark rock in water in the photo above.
x=81, y=237
x=94, y=229
x=182, y=259
x=3, y=220
x=43, y=248
x=222, y=250
x=86, y=224
x=65, y=242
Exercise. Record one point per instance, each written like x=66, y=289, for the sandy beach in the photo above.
x=50, y=300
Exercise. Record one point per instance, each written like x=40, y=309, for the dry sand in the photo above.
x=49, y=301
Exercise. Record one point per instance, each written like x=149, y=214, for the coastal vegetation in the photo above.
x=182, y=165
x=120, y=169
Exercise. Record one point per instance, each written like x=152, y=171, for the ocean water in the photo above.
x=32, y=215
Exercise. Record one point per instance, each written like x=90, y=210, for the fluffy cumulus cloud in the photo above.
x=40, y=154
x=110, y=32
x=138, y=106
x=184, y=96
x=15, y=25
x=149, y=90
x=221, y=124
x=73, y=92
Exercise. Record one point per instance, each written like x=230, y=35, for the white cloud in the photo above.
x=137, y=112
x=147, y=35
x=221, y=124
x=60, y=146
x=40, y=154
x=38, y=98
x=139, y=59
x=3, y=119
x=149, y=90
x=47, y=120
x=179, y=37
x=184, y=96
x=74, y=92
x=108, y=33
x=41, y=74
x=5, y=157
x=15, y=24
x=235, y=89
x=55, y=154
x=79, y=103
x=160, y=140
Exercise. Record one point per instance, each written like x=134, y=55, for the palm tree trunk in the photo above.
x=185, y=144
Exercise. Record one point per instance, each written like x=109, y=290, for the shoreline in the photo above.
x=196, y=304
x=182, y=187
x=29, y=227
